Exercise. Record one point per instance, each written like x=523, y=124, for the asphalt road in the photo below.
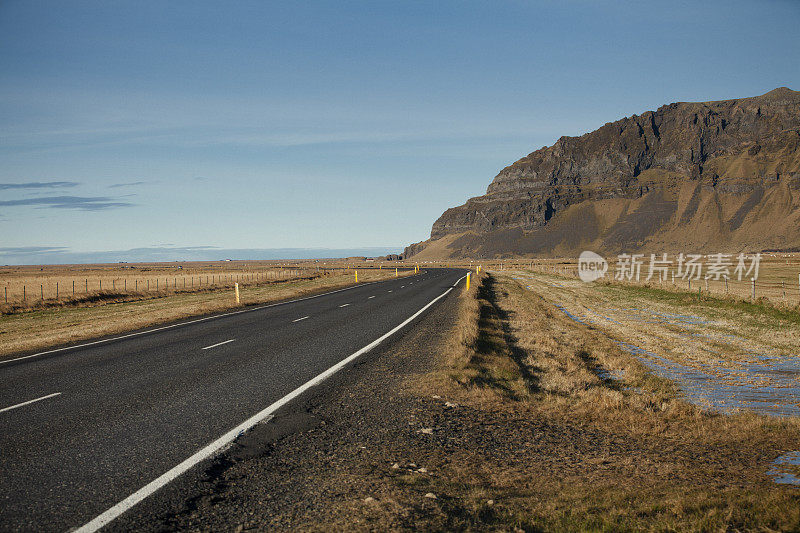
x=124, y=412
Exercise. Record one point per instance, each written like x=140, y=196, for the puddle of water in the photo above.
x=772, y=388
x=778, y=470
x=581, y=320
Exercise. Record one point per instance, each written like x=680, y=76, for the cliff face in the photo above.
x=689, y=175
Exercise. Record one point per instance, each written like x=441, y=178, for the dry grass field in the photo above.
x=35, y=325
x=672, y=466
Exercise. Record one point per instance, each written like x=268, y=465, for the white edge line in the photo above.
x=84, y=345
x=29, y=402
x=370, y=297
x=218, y=344
x=211, y=449
x=299, y=319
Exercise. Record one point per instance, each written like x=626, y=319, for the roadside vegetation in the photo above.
x=631, y=453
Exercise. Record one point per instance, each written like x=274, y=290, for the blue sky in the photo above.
x=248, y=125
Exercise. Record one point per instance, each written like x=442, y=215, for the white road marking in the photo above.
x=344, y=305
x=370, y=298
x=162, y=328
x=390, y=291
x=299, y=319
x=29, y=402
x=213, y=448
x=218, y=344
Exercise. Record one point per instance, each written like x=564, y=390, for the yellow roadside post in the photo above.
x=236, y=290
x=395, y=271
x=467, y=280
x=356, y=273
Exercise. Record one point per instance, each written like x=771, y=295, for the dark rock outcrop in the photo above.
x=735, y=148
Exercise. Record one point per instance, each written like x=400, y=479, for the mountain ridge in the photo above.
x=709, y=176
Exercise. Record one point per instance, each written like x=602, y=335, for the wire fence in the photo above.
x=62, y=289
x=24, y=290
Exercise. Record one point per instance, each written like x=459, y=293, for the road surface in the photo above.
x=84, y=428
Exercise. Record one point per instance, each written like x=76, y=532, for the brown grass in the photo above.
x=675, y=467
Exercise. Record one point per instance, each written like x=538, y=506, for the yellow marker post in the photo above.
x=395, y=272
x=356, y=273
x=236, y=290
x=467, y=280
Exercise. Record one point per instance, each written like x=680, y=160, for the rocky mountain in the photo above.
x=693, y=177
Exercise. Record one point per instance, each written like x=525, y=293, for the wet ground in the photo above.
x=715, y=367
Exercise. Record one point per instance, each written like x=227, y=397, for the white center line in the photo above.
x=344, y=305
x=371, y=297
x=181, y=324
x=390, y=291
x=29, y=402
x=218, y=344
x=299, y=319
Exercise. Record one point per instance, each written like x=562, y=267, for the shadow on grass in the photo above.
x=495, y=339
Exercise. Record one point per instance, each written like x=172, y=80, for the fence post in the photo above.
x=754, y=288
x=6, y=291
x=24, y=296
x=101, y=284
x=73, y=287
x=726, y=284
x=86, y=286
x=41, y=288
x=56, y=290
